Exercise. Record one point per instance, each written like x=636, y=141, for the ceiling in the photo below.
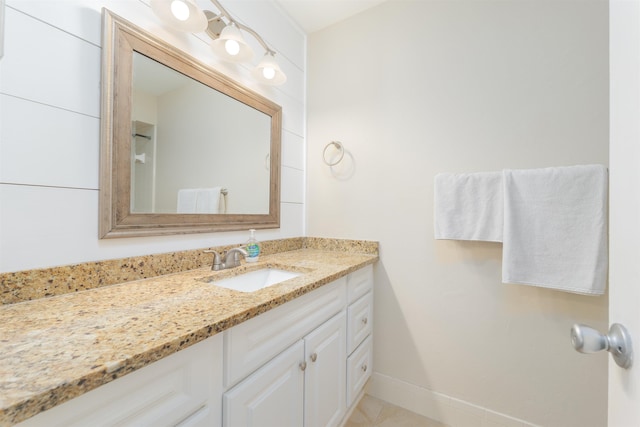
x=314, y=15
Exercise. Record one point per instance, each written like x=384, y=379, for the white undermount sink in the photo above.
x=255, y=280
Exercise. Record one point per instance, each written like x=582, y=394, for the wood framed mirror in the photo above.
x=184, y=149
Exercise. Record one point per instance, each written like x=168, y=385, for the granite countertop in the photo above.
x=57, y=348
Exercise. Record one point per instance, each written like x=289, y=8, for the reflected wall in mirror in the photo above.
x=184, y=149
x=177, y=148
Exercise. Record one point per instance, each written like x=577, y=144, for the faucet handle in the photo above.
x=216, y=259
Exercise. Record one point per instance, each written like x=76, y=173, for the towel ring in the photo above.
x=339, y=146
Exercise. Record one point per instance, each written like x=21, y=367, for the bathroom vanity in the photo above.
x=296, y=353
x=291, y=366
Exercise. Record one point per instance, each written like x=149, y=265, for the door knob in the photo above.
x=617, y=342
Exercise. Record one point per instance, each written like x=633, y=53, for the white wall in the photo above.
x=50, y=119
x=461, y=86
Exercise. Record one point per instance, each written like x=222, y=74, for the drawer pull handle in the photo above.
x=303, y=366
x=364, y=368
x=365, y=320
x=314, y=356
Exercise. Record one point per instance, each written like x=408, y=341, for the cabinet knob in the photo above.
x=303, y=366
x=365, y=320
x=364, y=368
x=313, y=357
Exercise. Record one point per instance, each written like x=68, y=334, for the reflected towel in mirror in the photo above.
x=199, y=200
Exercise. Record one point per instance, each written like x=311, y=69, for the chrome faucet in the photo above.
x=231, y=258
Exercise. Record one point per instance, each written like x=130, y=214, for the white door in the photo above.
x=624, y=219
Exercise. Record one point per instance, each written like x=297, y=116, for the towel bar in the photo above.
x=339, y=146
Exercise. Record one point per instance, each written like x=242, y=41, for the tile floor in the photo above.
x=375, y=412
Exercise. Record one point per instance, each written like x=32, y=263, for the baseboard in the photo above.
x=440, y=407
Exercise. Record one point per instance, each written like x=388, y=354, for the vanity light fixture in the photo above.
x=227, y=40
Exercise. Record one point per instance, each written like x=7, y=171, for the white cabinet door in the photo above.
x=325, y=376
x=183, y=389
x=270, y=397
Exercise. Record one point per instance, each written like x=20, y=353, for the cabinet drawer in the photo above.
x=359, y=283
x=251, y=344
x=359, y=368
x=359, y=321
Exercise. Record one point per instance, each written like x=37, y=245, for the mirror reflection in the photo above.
x=194, y=149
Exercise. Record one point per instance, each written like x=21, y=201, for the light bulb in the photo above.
x=232, y=47
x=268, y=73
x=180, y=10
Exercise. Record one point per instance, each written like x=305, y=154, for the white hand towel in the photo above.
x=187, y=200
x=208, y=200
x=555, y=228
x=468, y=206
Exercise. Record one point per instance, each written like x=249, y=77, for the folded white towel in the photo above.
x=187, y=200
x=208, y=200
x=199, y=200
x=468, y=206
x=555, y=228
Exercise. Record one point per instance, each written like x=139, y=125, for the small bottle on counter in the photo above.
x=252, y=247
